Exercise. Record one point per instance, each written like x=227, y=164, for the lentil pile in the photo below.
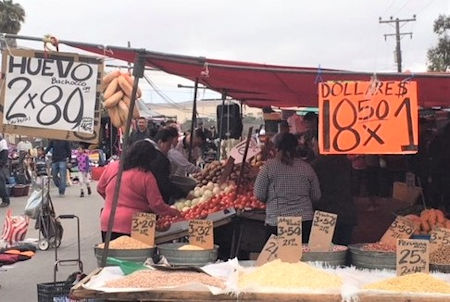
x=417, y=283
x=289, y=275
x=157, y=279
x=125, y=243
x=441, y=255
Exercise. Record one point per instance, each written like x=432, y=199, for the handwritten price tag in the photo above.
x=439, y=237
x=201, y=233
x=322, y=231
x=238, y=151
x=269, y=251
x=54, y=97
x=357, y=117
x=290, y=239
x=401, y=228
x=143, y=228
x=412, y=256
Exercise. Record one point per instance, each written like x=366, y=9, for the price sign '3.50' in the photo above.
x=363, y=118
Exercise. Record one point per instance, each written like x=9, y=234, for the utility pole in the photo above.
x=398, y=34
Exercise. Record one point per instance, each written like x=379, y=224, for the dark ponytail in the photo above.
x=287, y=147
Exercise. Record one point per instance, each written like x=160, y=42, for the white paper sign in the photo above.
x=58, y=93
x=238, y=151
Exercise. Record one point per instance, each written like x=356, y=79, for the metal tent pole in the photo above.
x=138, y=72
x=194, y=119
x=221, y=125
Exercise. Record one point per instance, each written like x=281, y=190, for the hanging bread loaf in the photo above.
x=130, y=80
x=117, y=88
x=114, y=116
x=127, y=101
x=113, y=100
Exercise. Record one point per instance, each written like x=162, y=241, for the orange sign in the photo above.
x=368, y=117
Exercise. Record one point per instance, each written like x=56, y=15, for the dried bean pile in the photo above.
x=157, y=279
x=378, y=247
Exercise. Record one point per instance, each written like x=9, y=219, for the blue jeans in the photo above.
x=59, y=174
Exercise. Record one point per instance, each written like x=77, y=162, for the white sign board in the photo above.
x=238, y=151
x=52, y=92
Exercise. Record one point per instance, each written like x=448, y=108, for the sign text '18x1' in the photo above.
x=368, y=117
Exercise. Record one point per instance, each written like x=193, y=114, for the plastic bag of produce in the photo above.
x=33, y=204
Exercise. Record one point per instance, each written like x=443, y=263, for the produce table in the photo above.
x=78, y=292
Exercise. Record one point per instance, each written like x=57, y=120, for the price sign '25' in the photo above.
x=360, y=118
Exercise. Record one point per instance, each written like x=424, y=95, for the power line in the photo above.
x=398, y=34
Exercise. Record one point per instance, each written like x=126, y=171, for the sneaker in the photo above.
x=82, y=194
x=4, y=205
x=89, y=190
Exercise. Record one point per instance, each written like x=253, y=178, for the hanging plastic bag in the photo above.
x=33, y=204
x=14, y=228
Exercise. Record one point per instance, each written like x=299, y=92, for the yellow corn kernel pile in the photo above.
x=289, y=275
x=125, y=243
x=190, y=247
x=418, y=282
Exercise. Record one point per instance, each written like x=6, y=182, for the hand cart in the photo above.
x=51, y=291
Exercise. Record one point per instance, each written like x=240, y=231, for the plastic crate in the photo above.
x=50, y=290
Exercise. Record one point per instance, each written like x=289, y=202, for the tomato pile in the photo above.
x=244, y=201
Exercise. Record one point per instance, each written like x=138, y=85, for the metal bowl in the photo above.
x=371, y=259
x=335, y=258
x=178, y=257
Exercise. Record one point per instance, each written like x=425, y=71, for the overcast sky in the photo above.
x=342, y=34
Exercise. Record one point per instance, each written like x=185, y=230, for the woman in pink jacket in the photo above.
x=138, y=192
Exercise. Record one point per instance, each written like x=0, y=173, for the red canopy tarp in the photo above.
x=263, y=85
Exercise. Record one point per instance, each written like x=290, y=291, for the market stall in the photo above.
x=224, y=191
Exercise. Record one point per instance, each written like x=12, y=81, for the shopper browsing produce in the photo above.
x=287, y=185
x=179, y=155
x=139, y=189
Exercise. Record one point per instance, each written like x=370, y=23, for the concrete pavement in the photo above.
x=18, y=282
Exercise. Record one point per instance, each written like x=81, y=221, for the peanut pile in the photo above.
x=441, y=255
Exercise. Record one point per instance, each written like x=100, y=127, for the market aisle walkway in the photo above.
x=18, y=283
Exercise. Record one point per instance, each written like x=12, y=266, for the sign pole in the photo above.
x=244, y=159
x=138, y=72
